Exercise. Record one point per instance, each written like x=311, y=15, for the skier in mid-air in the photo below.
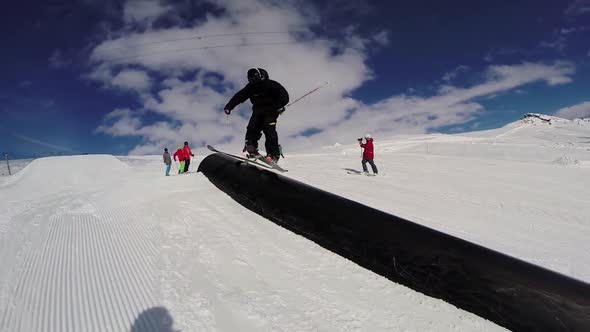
x=368, y=153
x=269, y=99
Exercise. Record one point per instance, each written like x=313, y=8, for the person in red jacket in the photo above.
x=180, y=154
x=368, y=153
x=187, y=156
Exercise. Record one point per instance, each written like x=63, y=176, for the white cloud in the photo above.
x=126, y=79
x=567, y=31
x=193, y=106
x=558, y=44
x=559, y=80
x=58, y=60
x=348, y=7
x=118, y=113
x=454, y=73
x=382, y=38
x=48, y=103
x=132, y=80
x=120, y=122
x=143, y=10
x=576, y=29
x=580, y=111
x=511, y=76
x=186, y=101
x=578, y=7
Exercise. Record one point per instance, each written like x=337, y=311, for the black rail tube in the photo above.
x=510, y=292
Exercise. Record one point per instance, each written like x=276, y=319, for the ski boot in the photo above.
x=272, y=159
x=251, y=152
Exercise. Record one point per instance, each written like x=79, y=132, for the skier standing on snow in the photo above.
x=167, y=161
x=268, y=99
x=187, y=156
x=180, y=154
x=368, y=153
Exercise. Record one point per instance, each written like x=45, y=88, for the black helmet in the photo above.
x=257, y=75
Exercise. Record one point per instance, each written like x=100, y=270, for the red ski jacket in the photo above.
x=187, y=152
x=180, y=154
x=369, y=152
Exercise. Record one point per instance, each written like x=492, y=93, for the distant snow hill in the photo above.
x=534, y=138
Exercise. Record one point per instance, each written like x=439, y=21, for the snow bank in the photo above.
x=55, y=173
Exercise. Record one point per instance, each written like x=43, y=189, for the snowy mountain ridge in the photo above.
x=533, y=138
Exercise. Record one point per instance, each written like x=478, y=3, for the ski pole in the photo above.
x=307, y=94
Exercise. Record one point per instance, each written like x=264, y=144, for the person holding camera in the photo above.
x=368, y=154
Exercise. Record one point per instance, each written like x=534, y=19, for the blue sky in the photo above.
x=125, y=77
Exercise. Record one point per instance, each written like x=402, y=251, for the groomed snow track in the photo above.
x=79, y=262
x=510, y=292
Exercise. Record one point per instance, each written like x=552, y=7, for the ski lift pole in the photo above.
x=7, y=163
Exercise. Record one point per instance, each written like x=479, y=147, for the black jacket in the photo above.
x=265, y=96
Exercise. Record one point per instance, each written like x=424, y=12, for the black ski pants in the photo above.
x=187, y=162
x=263, y=121
x=371, y=162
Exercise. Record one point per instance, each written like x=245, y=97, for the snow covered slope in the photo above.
x=96, y=243
x=93, y=244
x=523, y=189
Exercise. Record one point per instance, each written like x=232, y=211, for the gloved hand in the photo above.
x=227, y=112
x=192, y=155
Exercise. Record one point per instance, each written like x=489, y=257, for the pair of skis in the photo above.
x=263, y=162
x=360, y=173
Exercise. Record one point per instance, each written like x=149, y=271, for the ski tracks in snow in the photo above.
x=81, y=268
x=117, y=256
